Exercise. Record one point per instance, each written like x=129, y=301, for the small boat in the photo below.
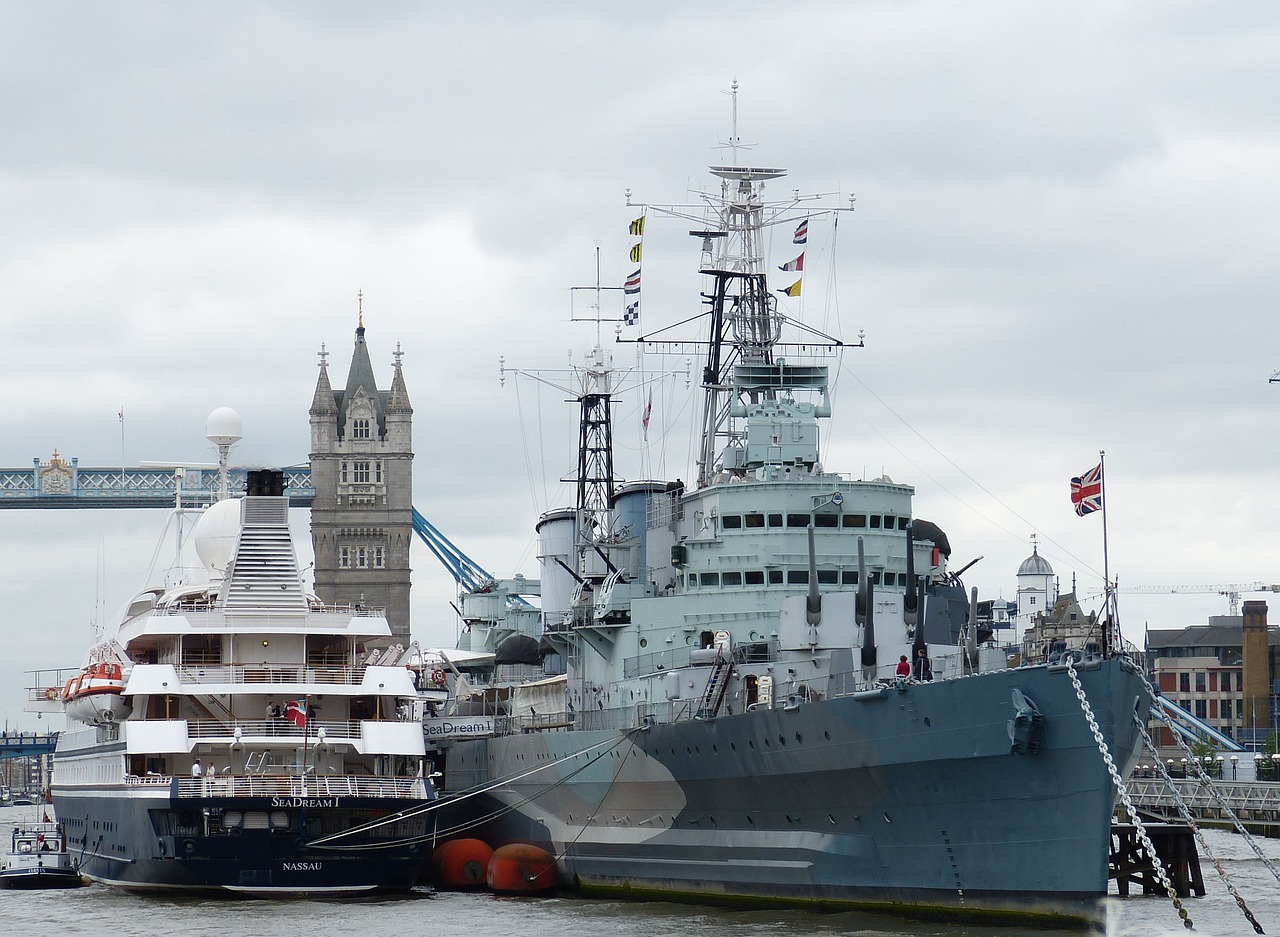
x=38, y=858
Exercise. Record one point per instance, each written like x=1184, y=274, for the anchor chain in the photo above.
x=1118, y=781
x=1185, y=810
x=1213, y=790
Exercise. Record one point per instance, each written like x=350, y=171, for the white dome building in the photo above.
x=1036, y=590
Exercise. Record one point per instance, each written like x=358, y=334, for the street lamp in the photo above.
x=1257, y=767
x=1220, y=761
x=1234, y=759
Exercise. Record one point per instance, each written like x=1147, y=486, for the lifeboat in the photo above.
x=95, y=695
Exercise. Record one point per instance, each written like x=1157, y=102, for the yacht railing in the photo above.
x=334, y=729
x=239, y=674
x=304, y=786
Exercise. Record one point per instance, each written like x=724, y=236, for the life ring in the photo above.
x=437, y=677
x=52, y=693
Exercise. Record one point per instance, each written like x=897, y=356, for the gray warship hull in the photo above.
x=905, y=799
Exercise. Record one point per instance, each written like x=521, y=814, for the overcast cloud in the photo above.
x=1066, y=240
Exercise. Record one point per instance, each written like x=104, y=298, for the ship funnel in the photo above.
x=864, y=613
x=911, y=601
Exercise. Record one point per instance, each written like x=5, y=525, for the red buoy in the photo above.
x=462, y=863
x=521, y=869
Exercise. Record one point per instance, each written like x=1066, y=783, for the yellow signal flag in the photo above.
x=793, y=289
x=635, y=253
x=637, y=227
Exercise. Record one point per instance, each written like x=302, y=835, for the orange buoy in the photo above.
x=521, y=869
x=462, y=863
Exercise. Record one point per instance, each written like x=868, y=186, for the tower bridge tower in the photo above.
x=361, y=467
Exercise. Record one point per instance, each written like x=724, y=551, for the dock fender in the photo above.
x=1027, y=727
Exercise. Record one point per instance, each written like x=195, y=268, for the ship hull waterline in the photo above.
x=116, y=839
x=907, y=800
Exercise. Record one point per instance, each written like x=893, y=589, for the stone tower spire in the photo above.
x=361, y=467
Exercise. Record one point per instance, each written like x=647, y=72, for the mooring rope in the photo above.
x=1118, y=781
x=1185, y=810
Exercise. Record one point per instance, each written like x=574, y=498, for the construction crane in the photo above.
x=1232, y=590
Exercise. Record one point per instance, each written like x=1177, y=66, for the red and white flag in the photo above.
x=802, y=233
x=1086, y=491
x=796, y=265
x=296, y=712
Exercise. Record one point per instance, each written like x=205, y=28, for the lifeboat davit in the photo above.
x=462, y=863
x=95, y=695
x=521, y=869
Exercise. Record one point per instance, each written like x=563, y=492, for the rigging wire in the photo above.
x=1065, y=551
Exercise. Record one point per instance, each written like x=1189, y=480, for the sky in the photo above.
x=1066, y=227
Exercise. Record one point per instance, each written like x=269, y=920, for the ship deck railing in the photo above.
x=788, y=695
x=252, y=674
x=284, y=785
x=332, y=730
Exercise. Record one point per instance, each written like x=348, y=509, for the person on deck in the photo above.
x=923, y=671
x=904, y=668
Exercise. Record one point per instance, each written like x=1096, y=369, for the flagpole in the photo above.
x=1113, y=613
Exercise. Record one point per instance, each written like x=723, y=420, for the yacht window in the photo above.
x=849, y=577
x=828, y=576
x=711, y=579
x=731, y=579
x=797, y=520
x=855, y=520
x=775, y=577
x=755, y=577
x=875, y=577
x=889, y=522
x=904, y=523
x=691, y=581
x=875, y=521
x=731, y=522
x=798, y=577
x=826, y=520
x=754, y=521
x=775, y=520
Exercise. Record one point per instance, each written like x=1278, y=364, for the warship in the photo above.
x=767, y=685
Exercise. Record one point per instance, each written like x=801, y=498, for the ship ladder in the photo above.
x=1118, y=781
x=717, y=687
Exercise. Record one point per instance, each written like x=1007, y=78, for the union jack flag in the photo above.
x=1086, y=491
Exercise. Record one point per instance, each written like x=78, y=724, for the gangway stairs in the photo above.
x=717, y=686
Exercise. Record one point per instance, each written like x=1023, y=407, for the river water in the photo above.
x=479, y=915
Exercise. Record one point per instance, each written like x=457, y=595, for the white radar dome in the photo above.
x=223, y=427
x=216, y=534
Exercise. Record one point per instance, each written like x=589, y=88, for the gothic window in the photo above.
x=360, y=473
x=362, y=557
x=379, y=556
x=344, y=553
x=377, y=472
x=359, y=429
x=343, y=473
